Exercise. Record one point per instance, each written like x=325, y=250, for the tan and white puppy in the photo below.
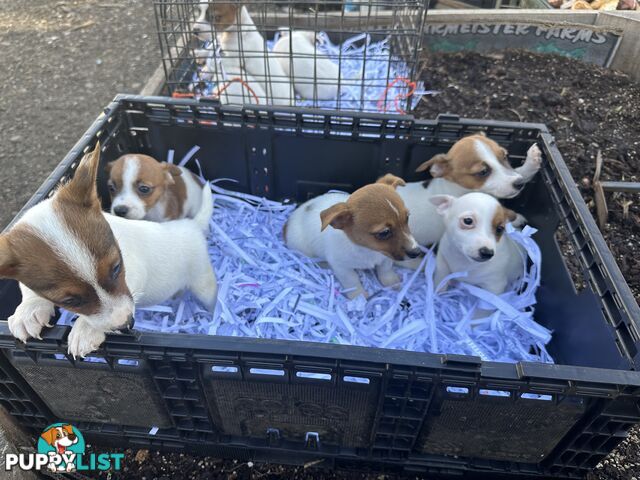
x=65, y=251
x=474, y=163
x=243, y=48
x=365, y=230
x=314, y=75
x=474, y=241
x=142, y=188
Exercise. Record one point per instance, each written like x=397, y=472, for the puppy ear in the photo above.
x=391, y=180
x=49, y=436
x=8, y=261
x=67, y=428
x=172, y=171
x=438, y=166
x=510, y=215
x=82, y=187
x=338, y=216
x=442, y=202
x=481, y=133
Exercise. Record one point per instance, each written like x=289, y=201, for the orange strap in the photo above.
x=221, y=90
x=382, y=103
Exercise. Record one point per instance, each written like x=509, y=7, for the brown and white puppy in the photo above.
x=367, y=229
x=65, y=251
x=243, y=48
x=142, y=188
x=474, y=163
x=474, y=241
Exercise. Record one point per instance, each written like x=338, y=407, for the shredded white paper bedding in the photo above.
x=269, y=291
x=367, y=69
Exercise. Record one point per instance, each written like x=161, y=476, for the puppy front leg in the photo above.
x=350, y=280
x=532, y=163
x=33, y=313
x=84, y=338
x=386, y=275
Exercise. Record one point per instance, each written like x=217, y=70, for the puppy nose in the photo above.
x=129, y=324
x=485, y=253
x=518, y=184
x=413, y=253
x=120, y=210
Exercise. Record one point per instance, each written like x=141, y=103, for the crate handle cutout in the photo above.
x=314, y=376
x=128, y=362
x=94, y=360
x=537, y=396
x=266, y=371
x=458, y=390
x=224, y=369
x=494, y=393
x=352, y=379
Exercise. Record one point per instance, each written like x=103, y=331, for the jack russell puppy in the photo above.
x=142, y=188
x=474, y=241
x=365, y=230
x=65, y=251
x=314, y=75
x=474, y=163
x=243, y=48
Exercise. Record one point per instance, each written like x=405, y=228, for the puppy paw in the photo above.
x=356, y=292
x=389, y=278
x=30, y=317
x=534, y=157
x=201, y=55
x=520, y=221
x=84, y=339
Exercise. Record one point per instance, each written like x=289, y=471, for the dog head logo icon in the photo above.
x=63, y=443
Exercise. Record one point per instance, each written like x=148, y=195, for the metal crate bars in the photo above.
x=332, y=54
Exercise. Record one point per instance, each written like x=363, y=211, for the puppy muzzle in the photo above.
x=413, y=253
x=128, y=326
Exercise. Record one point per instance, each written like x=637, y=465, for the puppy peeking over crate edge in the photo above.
x=65, y=251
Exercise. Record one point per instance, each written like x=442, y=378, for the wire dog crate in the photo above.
x=335, y=54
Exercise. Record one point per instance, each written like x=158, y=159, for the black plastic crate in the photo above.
x=405, y=418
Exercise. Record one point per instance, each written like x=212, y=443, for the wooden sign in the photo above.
x=590, y=44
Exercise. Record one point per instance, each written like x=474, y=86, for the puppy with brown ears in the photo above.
x=142, y=188
x=66, y=251
x=365, y=230
x=474, y=163
x=474, y=242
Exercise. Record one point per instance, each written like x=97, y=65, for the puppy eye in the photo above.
x=484, y=172
x=467, y=222
x=72, y=301
x=115, y=270
x=385, y=234
x=112, y=187
x=500, y=229
x=144, y=189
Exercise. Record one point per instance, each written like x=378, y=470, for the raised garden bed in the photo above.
x=587, y=108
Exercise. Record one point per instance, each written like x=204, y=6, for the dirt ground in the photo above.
x=62, y=61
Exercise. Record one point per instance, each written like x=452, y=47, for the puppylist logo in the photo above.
x=61, y=448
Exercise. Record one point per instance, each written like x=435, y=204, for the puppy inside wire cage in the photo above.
x=335, y=54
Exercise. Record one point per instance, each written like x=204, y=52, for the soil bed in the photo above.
x=586, y=108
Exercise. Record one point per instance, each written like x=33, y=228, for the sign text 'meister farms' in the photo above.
x=571, y=34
